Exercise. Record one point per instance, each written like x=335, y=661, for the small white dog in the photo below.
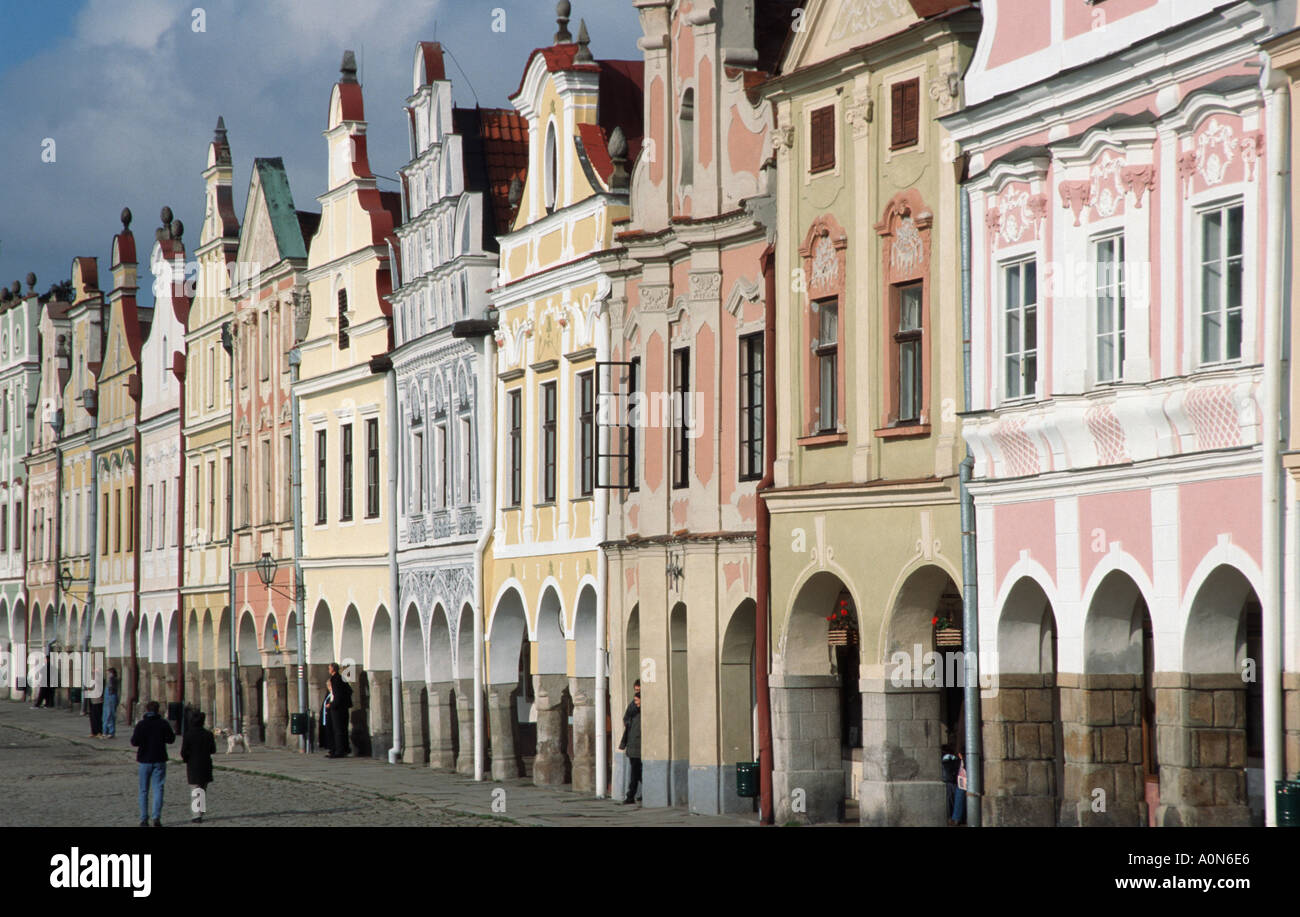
x=233, y=740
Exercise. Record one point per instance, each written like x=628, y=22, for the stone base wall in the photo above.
x=1020, y=785
x=902, y=783
x=551, y=765
x=465, y=721
x=1201, y=749
x=583, y=692
x=415, y=722
x=501, y=725
x=441, y=747
x=381, y=713
x=250, y=696
x=807, y=773
x=1291, y=724
x=1101, y=718
x=277, y=706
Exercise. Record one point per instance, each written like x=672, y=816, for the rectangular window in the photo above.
x=372, y=468
x=1221, y=284
x=634, y=408
x=117, y=521
x=345, y=474
x=130, y=518
x=1108, y=297
x=440, y=464
x=245, y=472
x=466, y=461
x=827, y=352
x=321, y=516
x=1020, y=329
x=908, y=341
x=104, y=528
x=905, y=102
x=516, y=436
x=286, y=498
x=148, y=510
x=196, y=498
x=163, y=520
x=548, y=442
x=227, y=495
x=681, y=404
x=212, y=375
x=586, y=433
x=267, y=479
x=821, y=139
x=345, y=339
x=751, y=406
x=264, y=320
x=212, y=500
x=19, y=521
x=417, y=473
x=4, y=530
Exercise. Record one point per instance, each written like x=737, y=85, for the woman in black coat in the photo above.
x=197, y=748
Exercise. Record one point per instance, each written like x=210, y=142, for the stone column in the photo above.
x=551, y=766
x=1020, y=787
x=221, y=687
x=192, y=693
x=1101, y=717
x=501, y=724
x=158, y=685
x=465, y=718
x=415, y=740
x=207, y=696
x=807, y=773
x=381, y=713
x=583, y=691
x=1201, y=749
x=902, y=783
x=442, y=754
x=277, y=706
x=250, y=694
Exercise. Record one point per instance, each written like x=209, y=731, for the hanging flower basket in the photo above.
x=839, y=635
x=947, y=637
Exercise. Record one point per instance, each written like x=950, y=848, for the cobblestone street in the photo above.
x=54, y=775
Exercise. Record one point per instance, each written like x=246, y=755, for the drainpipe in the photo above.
x=763, y=545
x=92, y=566
x=1271, y=548
x=487, y=493
x=970, y=590
x=384, y=364
x=135, y=566
x=237, y=720
x=602, y=579
x=299, y=591
x=180, y=539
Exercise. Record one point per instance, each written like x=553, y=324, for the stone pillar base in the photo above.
x=551, y=766
x=501, y=722
x=442, y=747
x=465, y=721
x=221, y=684
x=1101, y=717
x=1201, y=749
x=277, y=706
x=1020, y=782
x=1291, y=721
x=415, y=719
x=902, y=804
x=381, y=713
x=583, y=691
x=250, y=695
x=808, y=774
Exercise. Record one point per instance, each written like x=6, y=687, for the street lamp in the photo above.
x=266, y=567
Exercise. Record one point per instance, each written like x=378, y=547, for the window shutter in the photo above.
x=822, y=139
x=905, y=99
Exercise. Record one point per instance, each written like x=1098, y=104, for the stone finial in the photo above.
x=31, y=281
x=516, y=192
x=219, y=135
x=178, y=229
x=126, y=219
x=618, y=156
x=164, y=232
x=5, y=295
x=584, y=53
x=348, y=69
x=16, y=287
x=562, y=10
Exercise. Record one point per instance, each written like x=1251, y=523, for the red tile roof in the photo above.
x=505, y=154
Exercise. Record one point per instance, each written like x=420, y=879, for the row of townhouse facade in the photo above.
x=862, y=378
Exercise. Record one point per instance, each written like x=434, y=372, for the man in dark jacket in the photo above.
x=152, y=736
x=341, y=692
x=198, y=745
x=632, y=743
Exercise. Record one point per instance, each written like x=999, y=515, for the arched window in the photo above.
x=686, y=134
x=344, y=340
x=551, y=169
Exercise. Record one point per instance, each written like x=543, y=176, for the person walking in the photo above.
x=631, y=743
x=948, y=765
x=340, y=703
x=110, y=705
x=959, y=798
x=198, y=745
x=152, y=736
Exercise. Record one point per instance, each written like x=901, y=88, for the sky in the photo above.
x=123, y=95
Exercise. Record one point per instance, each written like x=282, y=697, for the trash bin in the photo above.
x=1288, y=803
x=74, y=698
x=298, y=724
x=747, y=779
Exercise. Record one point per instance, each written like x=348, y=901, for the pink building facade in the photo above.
x=1118, y=181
